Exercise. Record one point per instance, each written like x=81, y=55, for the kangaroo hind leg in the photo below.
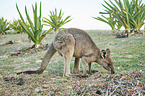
x=89, y=68
x=76, y=65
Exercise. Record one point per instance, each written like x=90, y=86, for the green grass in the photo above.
x=128, y=55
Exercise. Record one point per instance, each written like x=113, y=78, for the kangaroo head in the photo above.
x=106, y=61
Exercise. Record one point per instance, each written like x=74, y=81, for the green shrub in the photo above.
x=16, y=26
x=4, y=26
x=35, y=30
x=56, y=20
x=130, y=14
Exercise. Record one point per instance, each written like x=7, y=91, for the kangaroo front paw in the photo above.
x=76, y=71
x=85, y=75
x=67, y=75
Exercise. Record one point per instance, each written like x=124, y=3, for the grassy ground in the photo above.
x=128, y=55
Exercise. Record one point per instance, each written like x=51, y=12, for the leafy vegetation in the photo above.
x=128, y=55
x=56, y=20
x=4, y=26
x=35, y=31
x=111, y=21
x=131, y=14
x=16, y=26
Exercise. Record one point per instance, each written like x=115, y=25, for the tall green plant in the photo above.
x=56, y=20
x=35, y=31
x=131, y=14
x=138, y=15
x=4, y=26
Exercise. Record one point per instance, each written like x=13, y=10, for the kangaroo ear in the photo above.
x=107, y=52
x=103, y=53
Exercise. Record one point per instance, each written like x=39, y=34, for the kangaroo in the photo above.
x=76, y=43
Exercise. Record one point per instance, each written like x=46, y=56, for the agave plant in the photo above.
x=130, y=14
x=137, y=15
x=4, y=26
x=118, y=25
x=35, y=31
x=56, y=20
x=16, y=26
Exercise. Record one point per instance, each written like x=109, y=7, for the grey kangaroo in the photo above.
x=76, y=43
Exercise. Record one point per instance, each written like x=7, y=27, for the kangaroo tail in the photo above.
x=51, y=51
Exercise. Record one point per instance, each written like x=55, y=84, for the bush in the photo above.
x=4, y=26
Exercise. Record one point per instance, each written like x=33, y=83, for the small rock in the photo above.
x=45, y=86
x=38, y=90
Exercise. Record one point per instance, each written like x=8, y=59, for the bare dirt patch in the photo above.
x=30, y=50
x=96, y=84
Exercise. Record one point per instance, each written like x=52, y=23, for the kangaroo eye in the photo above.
x=109, y=64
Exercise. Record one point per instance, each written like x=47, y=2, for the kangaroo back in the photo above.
x=51, y=51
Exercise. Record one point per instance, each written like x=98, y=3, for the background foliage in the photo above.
x=16, y=26
x=4, y=26
x=126, y=13
x=56, y=20
x=35, y=32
